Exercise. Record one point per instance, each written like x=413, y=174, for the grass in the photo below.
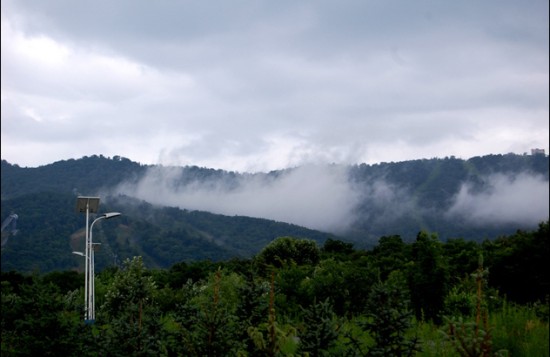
x=520, y=331
x=517, y=329
x=433, y=344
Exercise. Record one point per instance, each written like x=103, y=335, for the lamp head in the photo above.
x=111, y=215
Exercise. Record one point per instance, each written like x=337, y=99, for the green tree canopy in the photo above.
x=301, y=251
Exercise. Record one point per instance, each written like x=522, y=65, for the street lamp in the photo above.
x=94, y=247
x=90, y=205
x=86, y=205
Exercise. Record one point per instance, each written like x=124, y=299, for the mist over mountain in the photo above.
x=451, y=196
x=521, y=199
x=317, y=197
x=468, y=198
x=173, y=213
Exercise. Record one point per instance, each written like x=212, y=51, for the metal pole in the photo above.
x=88, y=205
x=93, y=282
x=91, y=291
x=92, y=269
x=90, y=273
x=86, y=263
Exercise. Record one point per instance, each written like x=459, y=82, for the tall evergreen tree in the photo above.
x=428, y=278
x=390, y=319
x=320, y=330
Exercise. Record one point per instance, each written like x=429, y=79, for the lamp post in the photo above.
x=90, y=205
x=86, y=205
x=94, y=247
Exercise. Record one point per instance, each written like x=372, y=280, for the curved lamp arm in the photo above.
x=103, y=216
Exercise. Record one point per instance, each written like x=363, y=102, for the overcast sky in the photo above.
x=261, y=85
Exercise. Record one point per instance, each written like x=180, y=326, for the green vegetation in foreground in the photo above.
x=425, y=298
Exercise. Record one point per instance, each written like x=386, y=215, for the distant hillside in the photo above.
x=50, y=229
x=87, y=174
x=478, y=198
x=426, y=195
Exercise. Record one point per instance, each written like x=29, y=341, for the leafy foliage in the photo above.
x=301, y=251
x=470, y=339
x=347, y=284
x=275, y=338
x=37, y=322
x=252, y=308
x=210, y=330
x=519, y=264
x=225, y=308
x=134, y=325
x=428, y=278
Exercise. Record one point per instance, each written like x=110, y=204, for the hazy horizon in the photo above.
x=275, y=169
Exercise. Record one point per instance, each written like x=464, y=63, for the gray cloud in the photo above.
x=255, y=85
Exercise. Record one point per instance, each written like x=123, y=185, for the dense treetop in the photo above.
x=423, y=298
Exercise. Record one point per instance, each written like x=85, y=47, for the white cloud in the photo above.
x=522, y=199
x=317, y=197
x=324, y=197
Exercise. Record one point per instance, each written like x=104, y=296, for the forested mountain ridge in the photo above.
x=434, y=190
x=90, y=174
x=49, y=230
x=450, y=196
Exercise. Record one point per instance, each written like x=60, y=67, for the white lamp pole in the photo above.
x=90, y=205
x=94, y=247
x=87, y=264
x=87, y=205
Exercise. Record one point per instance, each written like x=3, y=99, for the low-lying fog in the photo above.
x=322, y=197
